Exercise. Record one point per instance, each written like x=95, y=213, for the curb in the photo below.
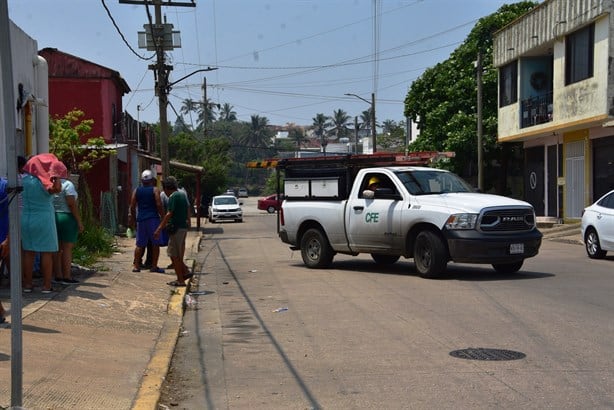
x=148, y=395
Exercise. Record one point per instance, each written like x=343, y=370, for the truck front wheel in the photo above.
x=315, y=249
x=507, y=267
x=429, y=255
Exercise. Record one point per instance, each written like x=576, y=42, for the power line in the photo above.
x=122, y=35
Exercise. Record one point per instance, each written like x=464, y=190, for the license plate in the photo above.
x=516, y=248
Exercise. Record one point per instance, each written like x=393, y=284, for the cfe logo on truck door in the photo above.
x=372, y=217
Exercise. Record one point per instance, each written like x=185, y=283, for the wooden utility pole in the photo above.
x=373, y=130
x=159, y=37
x=205, y=107
x=162, y=88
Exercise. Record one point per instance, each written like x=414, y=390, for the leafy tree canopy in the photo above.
x=443, y=101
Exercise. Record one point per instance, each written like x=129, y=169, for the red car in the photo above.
x=270, y=204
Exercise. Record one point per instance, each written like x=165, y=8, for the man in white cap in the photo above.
x=146, y=210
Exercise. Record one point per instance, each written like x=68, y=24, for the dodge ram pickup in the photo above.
x=419, y=212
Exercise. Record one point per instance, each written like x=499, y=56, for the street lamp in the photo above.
x=372, y=103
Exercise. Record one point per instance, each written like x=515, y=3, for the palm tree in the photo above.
x=296, y=134
x=227, y=113
x=206, y=113
x=340, y=122
x=189, y=106
x=365, y=117
x=258, y=135
x=388, y=126
x=320, y=123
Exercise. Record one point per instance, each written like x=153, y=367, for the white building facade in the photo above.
x=31, y=94
x=556, y=96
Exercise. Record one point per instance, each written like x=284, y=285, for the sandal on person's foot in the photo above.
x=136, y=270
x=176, y=283
x=46, y=291
x=188, y=275
x=156, y=270
x=27, y=290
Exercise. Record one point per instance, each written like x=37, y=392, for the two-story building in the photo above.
x=556, y=95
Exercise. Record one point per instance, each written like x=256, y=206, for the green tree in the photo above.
x=443, y=100
x=188, y=107
x=69, y=140
x=296, y=134
x=392, y=137
x=365, y=119
x=388, y=126
x=320, y=125
x=340, y=121
x=227, y=113
x=206, y=113
x=259, y=136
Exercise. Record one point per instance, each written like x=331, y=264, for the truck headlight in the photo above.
x=462, y=221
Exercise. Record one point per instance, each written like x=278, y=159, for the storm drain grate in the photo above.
x=481, y=353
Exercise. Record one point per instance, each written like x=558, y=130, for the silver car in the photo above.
x=225, y=208
x=598, y=227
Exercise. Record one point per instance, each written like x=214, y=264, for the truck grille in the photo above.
x=507, y=219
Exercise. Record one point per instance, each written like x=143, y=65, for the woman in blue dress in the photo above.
x=41, y=180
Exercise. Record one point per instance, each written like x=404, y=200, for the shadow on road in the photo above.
x=453, y=271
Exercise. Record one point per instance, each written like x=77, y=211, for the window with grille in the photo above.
x=579, y=50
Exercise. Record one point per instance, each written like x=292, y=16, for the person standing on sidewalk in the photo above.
x=69, y=226
x=145, y=212
x=38, y=230
x=175, y=223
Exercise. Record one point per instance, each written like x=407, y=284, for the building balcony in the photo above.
x=536, y=110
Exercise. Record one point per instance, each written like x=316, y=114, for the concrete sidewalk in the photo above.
x=105, y=343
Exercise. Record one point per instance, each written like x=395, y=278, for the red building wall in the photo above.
x=75, y=83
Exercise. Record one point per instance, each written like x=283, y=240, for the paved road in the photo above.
x=355, y=336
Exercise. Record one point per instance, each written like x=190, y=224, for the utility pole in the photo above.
x=138, y=127
x=373, y=130
x=161, y=87
x=479, y=115
x=407, y=134
x=8, y=128
x=205, y=107
x=355, y=134
x=160, y=37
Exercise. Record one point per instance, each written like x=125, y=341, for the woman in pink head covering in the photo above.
x=38, y=230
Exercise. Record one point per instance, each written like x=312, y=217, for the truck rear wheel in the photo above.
x=507, y=267
x=384, y=259
x=430, y=255
x=315, y=249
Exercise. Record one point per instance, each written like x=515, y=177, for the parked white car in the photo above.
x=225, y=208
x=598, y=227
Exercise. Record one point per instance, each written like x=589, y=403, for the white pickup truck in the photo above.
x=427, y=214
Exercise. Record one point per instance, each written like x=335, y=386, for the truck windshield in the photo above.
x=426, y=182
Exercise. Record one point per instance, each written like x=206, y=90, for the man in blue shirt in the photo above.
x=146, y=210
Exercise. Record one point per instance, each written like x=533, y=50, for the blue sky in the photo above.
x=286, y=60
